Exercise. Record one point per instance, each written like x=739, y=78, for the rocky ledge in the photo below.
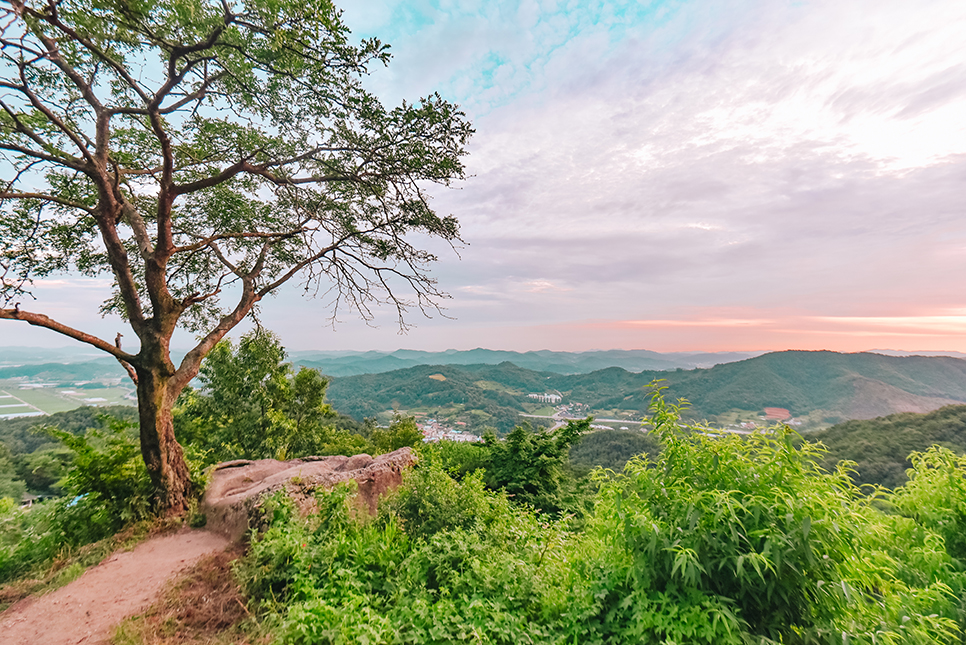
x=236, y=487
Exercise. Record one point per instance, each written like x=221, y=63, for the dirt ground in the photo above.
x=87, y=610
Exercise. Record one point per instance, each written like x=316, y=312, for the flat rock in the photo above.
x=236, y=487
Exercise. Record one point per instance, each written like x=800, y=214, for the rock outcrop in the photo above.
x=236, y=487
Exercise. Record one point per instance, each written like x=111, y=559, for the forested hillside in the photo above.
x=823, y=387
x=880, y=447
x=493, y=395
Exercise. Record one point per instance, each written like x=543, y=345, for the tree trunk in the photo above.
x=162, y=453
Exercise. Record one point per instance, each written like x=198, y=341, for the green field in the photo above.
x=497, y=387
x=58, y=399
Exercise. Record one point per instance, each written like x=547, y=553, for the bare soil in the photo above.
x=205, y=605
x=87, y=610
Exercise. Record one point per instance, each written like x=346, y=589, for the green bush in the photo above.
x=432, y=501
x=721, y=539
x=935, y=496
x=529, y=465
x=402, y=432
x=444, y=562
x=109, y=472
x=751, y=534
x=457, y=458
x=107, y=489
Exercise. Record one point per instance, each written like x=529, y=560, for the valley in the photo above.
x=816, y=389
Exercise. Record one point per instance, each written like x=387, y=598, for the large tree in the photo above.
x=204, y=153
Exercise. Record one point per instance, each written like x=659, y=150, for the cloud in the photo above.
x=806, y=155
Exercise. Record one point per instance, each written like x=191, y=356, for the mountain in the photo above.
x=91, y=370
x=356, y=363
x=844, y=386
x=818, y=388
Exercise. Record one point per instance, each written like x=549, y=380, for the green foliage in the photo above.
x=458, y=458
x=529, y=464
x=108, y=473
x=472, y=568
x=740, y=528
x=43, y=470
x=880, y=447
x=402, y=432
x=31, y=539
x=935, y=496
x=11, y=487
x=720, y=539
x=612, y=448
x=251, y=405
x=752, y=532
x=432, y=501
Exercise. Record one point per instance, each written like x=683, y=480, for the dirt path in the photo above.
x=87, y=610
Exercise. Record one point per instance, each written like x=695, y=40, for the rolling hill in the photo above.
x=880, y=447
x=821, y=388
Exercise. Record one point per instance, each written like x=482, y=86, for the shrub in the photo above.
x=458, y=458
x=108, y=472
x=724, y=537
x=721, y=539
x=431, y=501
x=528, y=465
x=935, y=496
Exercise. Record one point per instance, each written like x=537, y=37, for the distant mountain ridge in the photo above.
x=374, y=362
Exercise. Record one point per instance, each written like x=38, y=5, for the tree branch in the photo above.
x=242, y=235
x=260, y=170
x=71, y=162
x=52, y=20
x=192, y=361
x=40, y=320
x=48, y=198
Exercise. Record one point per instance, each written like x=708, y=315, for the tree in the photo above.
x=528, y=464
x=10, y=485
x=204, y=153
x=252, y=406
x=237, y=412
x=402, y=432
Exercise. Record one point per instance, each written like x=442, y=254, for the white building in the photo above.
x=546, y=398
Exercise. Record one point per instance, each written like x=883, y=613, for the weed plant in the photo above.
x=721, y=539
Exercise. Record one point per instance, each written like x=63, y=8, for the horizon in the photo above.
x=752, y=352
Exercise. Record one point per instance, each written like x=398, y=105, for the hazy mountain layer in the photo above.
x=356, y=363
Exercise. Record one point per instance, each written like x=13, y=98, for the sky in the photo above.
x=674, y=176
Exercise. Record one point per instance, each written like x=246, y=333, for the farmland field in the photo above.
x=16, y=400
